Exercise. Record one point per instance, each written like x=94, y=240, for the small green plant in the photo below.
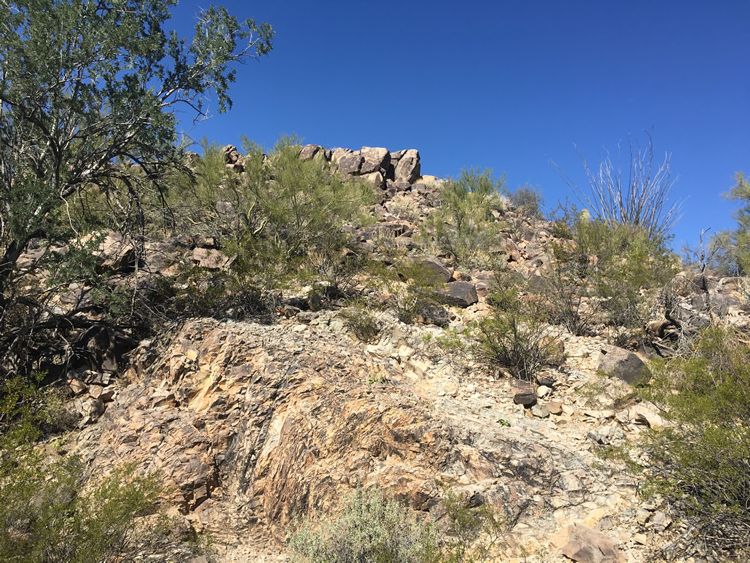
x=369, y=528
x=512, y=336
x=473, y=531
x=362, y=323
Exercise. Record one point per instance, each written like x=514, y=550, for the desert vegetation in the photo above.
x=114, y=237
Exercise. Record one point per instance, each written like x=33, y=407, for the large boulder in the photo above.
x=309, y=152
x=623, y=364
x=408, y=168
x=459, y=293
x=432, y=269
x=350, y=164
x=375, y=159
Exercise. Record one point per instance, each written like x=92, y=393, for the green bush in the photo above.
x=512, y=337
x=528, y=201
x=464, y=226
x=370, y=528
x=621, y=265
x=46, y=515
x=702, y=463
x=362, y=323
x=282, y=217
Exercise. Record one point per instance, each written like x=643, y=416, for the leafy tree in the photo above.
x=88, y=95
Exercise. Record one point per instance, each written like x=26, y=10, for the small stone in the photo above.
x=641, y=539
x=77, y=386
x=542, y=391
x=546, y=380
x=95, y=391
x=527, y=398
x=555, y=407
x=540, y=411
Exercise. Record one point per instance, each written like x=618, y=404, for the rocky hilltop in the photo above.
x=256, y=422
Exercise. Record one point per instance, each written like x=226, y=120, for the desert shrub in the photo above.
x=28, y=412
x=464, y=227
x=363, y=324
x=564, y=293
x=512, y=337
x=46, y=516
x=369, y=528
x=472, y=529
x=528, y=201
x=281, y=217
x=621, y=264
x=702, y=463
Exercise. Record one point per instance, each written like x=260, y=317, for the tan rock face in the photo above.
x=258, y=424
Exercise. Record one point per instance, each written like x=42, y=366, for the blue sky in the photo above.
x=508, y=85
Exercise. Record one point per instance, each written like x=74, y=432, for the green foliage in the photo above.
x=464, y=226
x=732, y=249
x=46, y=516
x=512, y=336
x=362, y=323
x=472, y=531
x=702, y=463
x=281, y=217
x=369, y=528
x=528, y=201
x=28, y=412
x=621, y=264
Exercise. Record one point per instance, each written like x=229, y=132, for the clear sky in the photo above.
x=509, y=85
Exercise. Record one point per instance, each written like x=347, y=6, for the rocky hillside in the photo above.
x=254, y=422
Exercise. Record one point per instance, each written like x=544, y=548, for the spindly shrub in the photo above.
x=464, y=227
x=369, y=528
x=702, y=463
x=45, y=516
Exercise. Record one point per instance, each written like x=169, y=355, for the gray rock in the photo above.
x=375, y=159
x=525, y=397
x=623, y=364
x=433, y=269
x=460, y=293
x=350, y=164
x=408, y=168
x=308, y=152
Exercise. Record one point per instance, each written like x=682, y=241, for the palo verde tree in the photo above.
x=88, y=95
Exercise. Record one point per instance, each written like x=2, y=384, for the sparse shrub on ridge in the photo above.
x=528, y=201
x=464, y=227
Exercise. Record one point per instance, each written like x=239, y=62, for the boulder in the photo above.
x=525, y=397
x=211, y=259
x=308, y=152
x=587, y=545
x=374, y=178
x=623, y=364
x=375, y=159
x=408, y=168
x=350, y=164
x=433, y=269
x=459, y=293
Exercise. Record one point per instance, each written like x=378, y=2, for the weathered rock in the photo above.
x=211, y=259
x=350, y=164
x=408, y=168
x=460, y=294
x=432, y=313
x=540, y=411
x=374, y=179
x=308, y=152
x=646, y=414
x=525, y=397
x=623, y=364
x=586, y=545
x=432, y=269
x=375, y=159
